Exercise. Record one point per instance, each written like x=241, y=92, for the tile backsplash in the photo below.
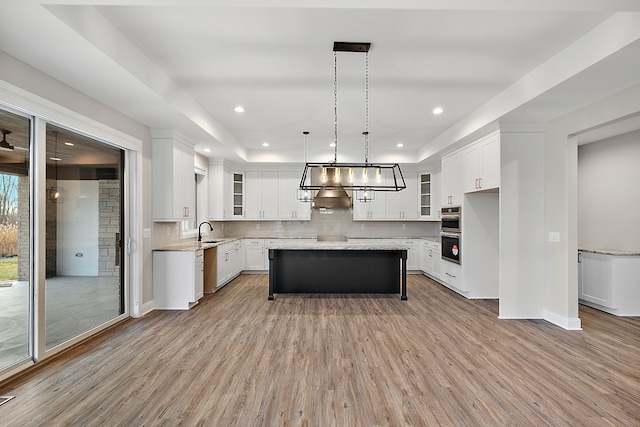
x=329, y=222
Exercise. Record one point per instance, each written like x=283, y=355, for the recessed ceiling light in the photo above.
x=55, y=158
x=438, y=110
x=69, y=144
x=399, y=145
x=333, y=144
x=239, y=109
x=265, y=144
x=207, y=150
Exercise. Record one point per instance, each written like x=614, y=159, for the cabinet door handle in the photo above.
x=479, y=182
x=450, y=275
x=579, y=257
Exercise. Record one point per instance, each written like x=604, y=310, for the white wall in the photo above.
x=522, y=230
x=561, y=205
x=30, y=90
x=608, y=199
x=77, y=228
x=481, y=238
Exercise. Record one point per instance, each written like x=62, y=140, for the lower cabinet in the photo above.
x=178, y=279
x=451, y=275
x=230, y=262
x=413, y=253
x=430, y=257
x=609, y=282
x=255, y=254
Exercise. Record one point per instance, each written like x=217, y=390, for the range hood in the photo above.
x=329, y=196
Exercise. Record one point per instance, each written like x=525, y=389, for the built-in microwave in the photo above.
x=451, y=219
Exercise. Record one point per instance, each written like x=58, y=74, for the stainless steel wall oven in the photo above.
x=451, y=233
x=450, y=244
x=451, y=219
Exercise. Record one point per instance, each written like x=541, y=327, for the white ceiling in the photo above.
x=185, y=64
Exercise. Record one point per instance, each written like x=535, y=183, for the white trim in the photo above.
x=571, y=324
x=44, y=111
x=34, y=105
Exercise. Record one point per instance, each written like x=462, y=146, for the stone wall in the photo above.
x=24, y=227
x=109, y=227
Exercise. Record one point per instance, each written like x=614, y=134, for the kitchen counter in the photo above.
x=338, y=246
x=612, y=252
x=193, y=245
x=354, y=243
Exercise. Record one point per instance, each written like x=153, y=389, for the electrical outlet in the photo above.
x=257, y=226
x=554, y=236
x=404, y=226
x=361, y=226
x=169, y=231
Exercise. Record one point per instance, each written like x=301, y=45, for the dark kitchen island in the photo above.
x=340, y=268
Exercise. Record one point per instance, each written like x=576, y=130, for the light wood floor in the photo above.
x=237, y=359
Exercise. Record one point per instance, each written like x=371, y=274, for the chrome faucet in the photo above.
x=200, y=233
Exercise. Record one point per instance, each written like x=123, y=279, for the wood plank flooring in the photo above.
x=237, y=359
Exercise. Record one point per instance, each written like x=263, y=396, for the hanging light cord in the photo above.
x=335, y=106
x=366, y=108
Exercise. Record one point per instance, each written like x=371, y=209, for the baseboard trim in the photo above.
x=571, y=324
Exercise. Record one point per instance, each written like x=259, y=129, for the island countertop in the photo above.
x=338, y=246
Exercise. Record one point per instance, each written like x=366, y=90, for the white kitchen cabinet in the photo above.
x=289, y=207
x=481, y=164
x=254, y=253
x=452, y=180
x=451, y=276
x=238, y=258
x=413, y=253
x=173, y=179
x=431, y=258
x=229, y=262
x=178, y=279
x=257, y=251
x=373, y=210
x=220, y=191
x=237, y=195
x=608, y=281
x=261, y=190
x=403, y=204
x=428, y=204
x=594, y=279
x=426, y=258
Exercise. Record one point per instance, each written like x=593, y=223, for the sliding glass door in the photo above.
x=15, y=240
x=84, y=285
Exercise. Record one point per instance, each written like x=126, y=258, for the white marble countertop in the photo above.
x=338, y=246
x=194, y=246
x=354, y=243
x=613, y=252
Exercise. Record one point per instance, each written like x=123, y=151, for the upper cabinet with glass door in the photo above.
x=429, y=193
